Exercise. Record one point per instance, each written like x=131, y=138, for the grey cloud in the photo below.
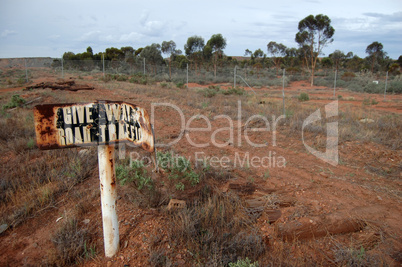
x=395, y=17
x=7, y=33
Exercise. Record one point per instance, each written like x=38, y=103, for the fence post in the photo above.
x=335, y=82
x=234, y=77
x=62, y=68
x=187, y=75
x=107, y=178
x=103, y=64
x=386, y=82
x=26, y=70
x=283, y=92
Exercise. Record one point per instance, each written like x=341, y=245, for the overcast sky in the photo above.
x=48, y=28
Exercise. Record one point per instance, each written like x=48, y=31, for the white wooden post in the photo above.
x=107, y=177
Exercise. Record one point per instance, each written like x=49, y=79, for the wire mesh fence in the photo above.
x=141, y=71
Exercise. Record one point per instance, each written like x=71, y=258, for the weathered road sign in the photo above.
x=101, y=124
x=91, y=124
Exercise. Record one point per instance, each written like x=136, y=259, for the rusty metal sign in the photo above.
x=91, y=124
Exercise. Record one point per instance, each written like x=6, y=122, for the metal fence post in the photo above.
x=386, y=82
x=187, y=75
x=335, y=82
x=26, y=70
x=103, y=64
x=234, y=78
x=283, y=92
x=107, y=177
x=62, y=68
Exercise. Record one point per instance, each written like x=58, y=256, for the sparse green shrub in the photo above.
x=21, y=80
x=234, y=91
x=121, y=78
x=163, y=85
x=180, y=85
x=324, y=81
x=134, y=79
x=122, y=174
x=369, y=101
x=140, y=187
x=356, y=257
x=136, y=173
x=395, y=86
x=374, y=88
x=341, y=83
x=139, y=79
x=211, y=91
x=243, y=263
x=16, y=101
x=106, y=78
x=31, y=143
x=179, y=169
x=303, y=97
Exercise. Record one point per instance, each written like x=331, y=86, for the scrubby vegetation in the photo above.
x=215, y=227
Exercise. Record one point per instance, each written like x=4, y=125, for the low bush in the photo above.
x=73, y=243
x=211, y=91
x=164, y=85
x=179, y=170
x=234, y=91
x=121, y=78
x=180, y=85
x=136, y=173
x=303, y=97
x=140, y=79
x=243, y=263
x=395, y=86
x=16, y=101
x=140, y=187
x=348, y=76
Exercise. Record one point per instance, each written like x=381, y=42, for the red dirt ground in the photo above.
x=320, y=192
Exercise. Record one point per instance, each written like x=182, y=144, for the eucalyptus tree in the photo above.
x=375, y=53
x=152, y=55
x=169, y=48
x=337, y=58
x=277, y=51
x=217, y=43
x=194, y=49
x=315, y=32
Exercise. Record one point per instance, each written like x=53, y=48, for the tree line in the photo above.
x=314, y=34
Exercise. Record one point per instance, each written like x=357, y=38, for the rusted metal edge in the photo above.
x=51, y=127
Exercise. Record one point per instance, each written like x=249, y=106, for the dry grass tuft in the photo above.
x=73, y=244
x=218, y=230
